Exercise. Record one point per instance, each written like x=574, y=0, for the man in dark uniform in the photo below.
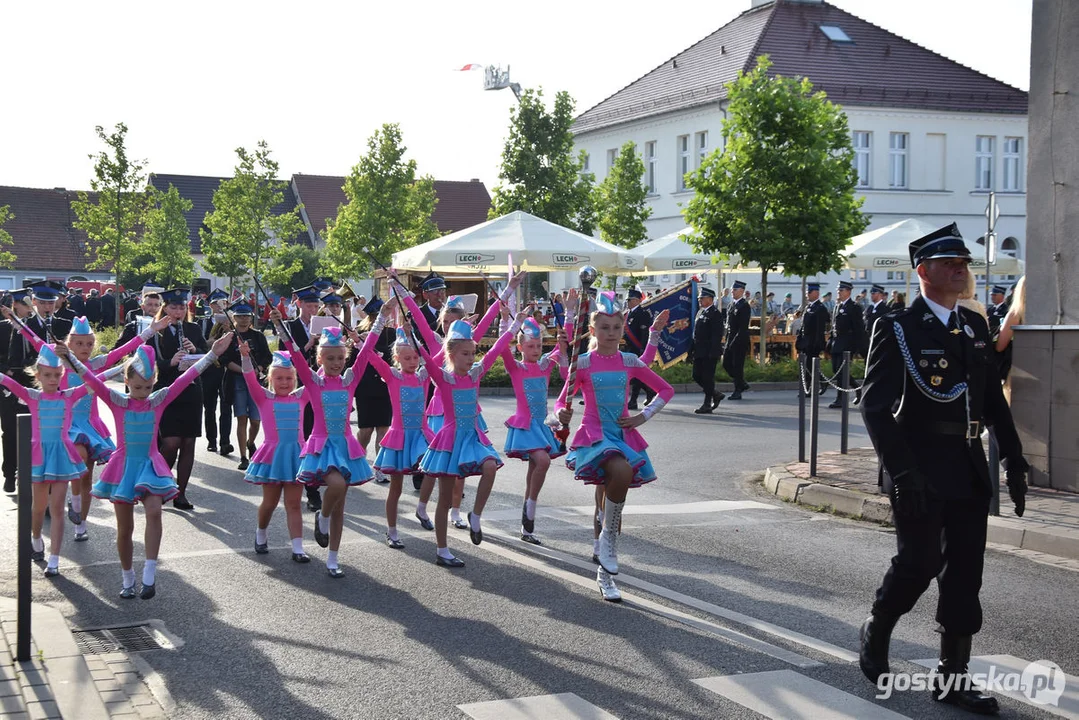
x=707, y=347
x=43, y=322
x=132, y=302
x=9, y=403
x=848, y=333
x=434, y=295
x=934, y=358
x=875, y=309
x=810, y=340
x=76, y=303
x=208, y=317
x=108, y=309
x=997, y=311
x=151, y=304
x=300, y=330
x=737, y=347
x=63, y=311
x=93, y=308
x=638, y=325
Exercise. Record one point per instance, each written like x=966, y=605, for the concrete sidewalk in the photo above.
x=59, y=681
x=847, y=484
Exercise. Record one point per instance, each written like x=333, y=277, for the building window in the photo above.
x=899, y=170
x=983, y=162
x=1013, y=164
x=702, y=147
x=650, y=166
x=897, y=275
x=612, y=155
x=863, y=145
x=1010, y=246
x=684, y=162
x=584, y=162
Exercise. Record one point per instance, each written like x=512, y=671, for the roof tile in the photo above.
x=42, y=231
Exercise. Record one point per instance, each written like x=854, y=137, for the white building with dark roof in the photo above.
x=932, y=137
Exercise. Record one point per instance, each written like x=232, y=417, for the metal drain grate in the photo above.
x=129, y=638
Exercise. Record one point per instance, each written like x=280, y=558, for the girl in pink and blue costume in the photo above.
x=54, y=459
x=275, y=465
x=607, y=449
x=137, y=472
x=92, y=438
x=331, y=456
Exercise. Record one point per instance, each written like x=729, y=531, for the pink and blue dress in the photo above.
x=54, y=458
x=277, y=460
x=527, y=429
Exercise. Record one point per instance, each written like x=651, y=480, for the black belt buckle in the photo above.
x=974, y=430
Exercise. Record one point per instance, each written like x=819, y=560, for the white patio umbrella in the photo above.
x=886, y=248
x=674, y=254
x=534, y=244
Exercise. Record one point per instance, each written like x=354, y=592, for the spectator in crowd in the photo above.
x=725, y=301
x=788, y=306
x=827, y=302
x=559, y=310
x=899, y=301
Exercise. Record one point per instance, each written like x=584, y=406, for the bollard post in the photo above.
x=801, y=411
x=26, y=499
x=844, y=413
x=814, y=416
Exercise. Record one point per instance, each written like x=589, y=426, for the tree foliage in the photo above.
x=781, y=191
x=112, y=214
x=166, y=244
x=621, y=208
x=389, y=208
x=539, y=174
x=7, y=259
x=294, y=260
x=243, y=234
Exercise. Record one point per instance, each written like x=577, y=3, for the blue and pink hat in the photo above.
x=80, y=326
x=142, y=362
x=48, y=357
x=331, y=337
x=459, y=330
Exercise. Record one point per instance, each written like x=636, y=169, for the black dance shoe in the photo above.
x=475, y=535
x=323, y=539
x=301, y=558
x=394, y=543
x=528, y=525
x=452, y=562
x=262, y=548
x=530, y=539
x=181, y=503
x=148, y=591
x=335, y=573
x=425, y=522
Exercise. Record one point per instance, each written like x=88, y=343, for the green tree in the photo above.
x=781, y=191
x=243, y=234
x=539, y=174
x=389, y=208
x=7, y=259
x=621, y=205
x=113, y=212
x=166, y=244
x=294, y=260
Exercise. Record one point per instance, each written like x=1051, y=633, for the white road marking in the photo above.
x=1066, y=706
x=788, y=695
x=691, y=508
x=563, y=706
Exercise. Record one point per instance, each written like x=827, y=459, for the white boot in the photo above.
x=608, y=537
x=607, y=589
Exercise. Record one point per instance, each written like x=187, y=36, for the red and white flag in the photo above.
x=471, y=66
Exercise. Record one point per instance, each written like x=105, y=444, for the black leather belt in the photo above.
x=970, y=431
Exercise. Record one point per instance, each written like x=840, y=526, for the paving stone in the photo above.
x=9, y=688
x=12, y=704
x=150, y=712
x=120, y=707
x=42, y=710
x=113, y=696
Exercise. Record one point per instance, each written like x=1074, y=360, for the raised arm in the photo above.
x=94, y=383
x=188, y=376
x=13, y=385
x=430, y=339
x=501, y=345
x=121, y=351
x=664, y=392
x=258, y=394
x=303, y=370
x=659, y=323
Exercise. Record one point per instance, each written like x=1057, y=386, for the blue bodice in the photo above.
x=286, y=417
x=610, y=391
x=465, y=405
x=412, y=403
x=138, y=433
x=336, y=406
x=536, y=395
x=82, y=406
x=50, y=415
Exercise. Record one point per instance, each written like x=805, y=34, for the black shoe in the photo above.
x=148, y=591
x=262, y=548
x=243, y=464
x=37, y=555
x=301, y=558
x=528, y=525
x=73, y=516
x=52, y=571
x=836, y=406
x=9, y=485
x=459, y=524
x=530, y=539
x=875, y=636
x=335, y=573
x=226, y=449
x=453, y=562
x=314, y=500
x=211, y=447
x=251, y=448
x=951, y=683
x=321, y=538
x=716, y=399
x=181, y=503
x=394, y=543
x=705, y=409
x=128, y=593
x=632, y=405
x=81, y=536
x=745, y=386
x=476, y=535
x=425, y=523
x=595, y=558
x=823, y=389
x=736, y=395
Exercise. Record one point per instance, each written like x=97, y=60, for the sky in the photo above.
x=195, y=80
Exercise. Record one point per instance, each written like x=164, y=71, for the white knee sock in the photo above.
x=391, y=531
x=474, y=521
x=129, y=577
x=323, y=524
x=149, y=572
x=421, y=510
x=331, y=559
x=530, y=509
x=297, y=545
x=80, y=528
x=54, y=561
x=76, y=503
x=455, y=514
x=260, y=536
x=444, y=553
x=37, y=544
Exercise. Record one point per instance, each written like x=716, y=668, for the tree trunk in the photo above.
x=764, y=317
x=802, y=300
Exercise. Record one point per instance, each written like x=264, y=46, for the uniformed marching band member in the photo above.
x=217, y=422
x=997, y=311
x=638, y=325
x=707, y=348
x=875, y=309
x=434, y=294
x=737, y=347
x=934, y=358
x=300, y=330
x=848, y=333
x=10, y=407
x=233, y=387
x=149, y=306
x=810, y=340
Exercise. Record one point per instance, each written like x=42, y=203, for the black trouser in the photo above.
x=947, y=544
x=211, y=390
x=9, y=412
x=704, y=374
x=734, y=360
x=805, y=364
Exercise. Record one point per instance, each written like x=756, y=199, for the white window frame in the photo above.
x=650, y=166
x=863, y=156
x=684, y=163
x=612, y=155
x=585, y=163
x=983, y=162
x=1012, y=179
x=701, y=143
x=899, y=160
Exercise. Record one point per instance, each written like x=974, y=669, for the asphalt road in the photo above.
x=720, y=580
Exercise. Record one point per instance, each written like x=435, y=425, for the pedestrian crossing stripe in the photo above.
x=789, y=695
x=1003, y=671
x=563, y=706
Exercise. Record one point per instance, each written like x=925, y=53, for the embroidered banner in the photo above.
x=677, y=337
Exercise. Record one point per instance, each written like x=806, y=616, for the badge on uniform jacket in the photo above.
x=969, y=331
x=979, y=344
x=936, y=380
x=943, y=364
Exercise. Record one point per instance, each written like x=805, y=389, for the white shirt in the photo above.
x=940, y=311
